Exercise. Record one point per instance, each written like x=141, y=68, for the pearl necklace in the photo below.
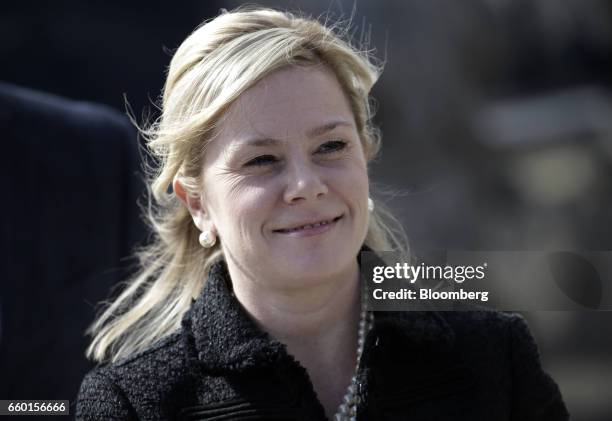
x=347, y=410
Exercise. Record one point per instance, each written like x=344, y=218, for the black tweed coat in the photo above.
x=415, y=366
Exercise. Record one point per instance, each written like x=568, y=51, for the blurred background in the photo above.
x=497, y=135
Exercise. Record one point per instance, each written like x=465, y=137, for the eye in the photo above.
x=332, y=146
x=261, y=161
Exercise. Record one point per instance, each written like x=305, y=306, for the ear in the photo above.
x=201, y=217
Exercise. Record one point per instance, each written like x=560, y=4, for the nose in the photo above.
x=305, y=182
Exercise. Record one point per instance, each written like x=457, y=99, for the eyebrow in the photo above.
x=317, y=131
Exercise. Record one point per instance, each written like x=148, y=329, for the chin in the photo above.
x=316, y=265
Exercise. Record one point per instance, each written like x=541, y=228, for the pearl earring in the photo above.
x=370, y=204
x=207, y=239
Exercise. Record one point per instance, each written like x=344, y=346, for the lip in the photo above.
x=307, y=228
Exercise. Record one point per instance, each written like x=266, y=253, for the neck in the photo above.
x=314, y=313
x=318, y=324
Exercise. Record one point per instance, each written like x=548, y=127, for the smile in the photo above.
x=314, y=227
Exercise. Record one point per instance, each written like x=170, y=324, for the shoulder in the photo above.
x=101, y=398
x=506, y=334
x=165, y=354
x=477, y=319
x=20, y=103
x=504, y=329
x=122, y=389
x=502, y=349
x=499, y=335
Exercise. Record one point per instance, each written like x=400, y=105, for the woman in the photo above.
x=265, y=136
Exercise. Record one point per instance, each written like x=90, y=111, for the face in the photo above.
x=285, y=183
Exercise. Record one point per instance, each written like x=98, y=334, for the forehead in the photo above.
x=288, y=102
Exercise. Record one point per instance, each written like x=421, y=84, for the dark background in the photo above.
x=497, y=129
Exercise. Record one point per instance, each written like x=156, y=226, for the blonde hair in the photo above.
x=215, y=64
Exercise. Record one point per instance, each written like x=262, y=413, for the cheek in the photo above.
x=242, y=208
x=352, y=182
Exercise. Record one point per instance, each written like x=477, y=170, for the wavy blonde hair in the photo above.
x=215, y=64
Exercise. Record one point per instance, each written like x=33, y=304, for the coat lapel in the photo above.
x=224, y=335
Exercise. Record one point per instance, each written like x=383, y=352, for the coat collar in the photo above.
x=226, y=338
